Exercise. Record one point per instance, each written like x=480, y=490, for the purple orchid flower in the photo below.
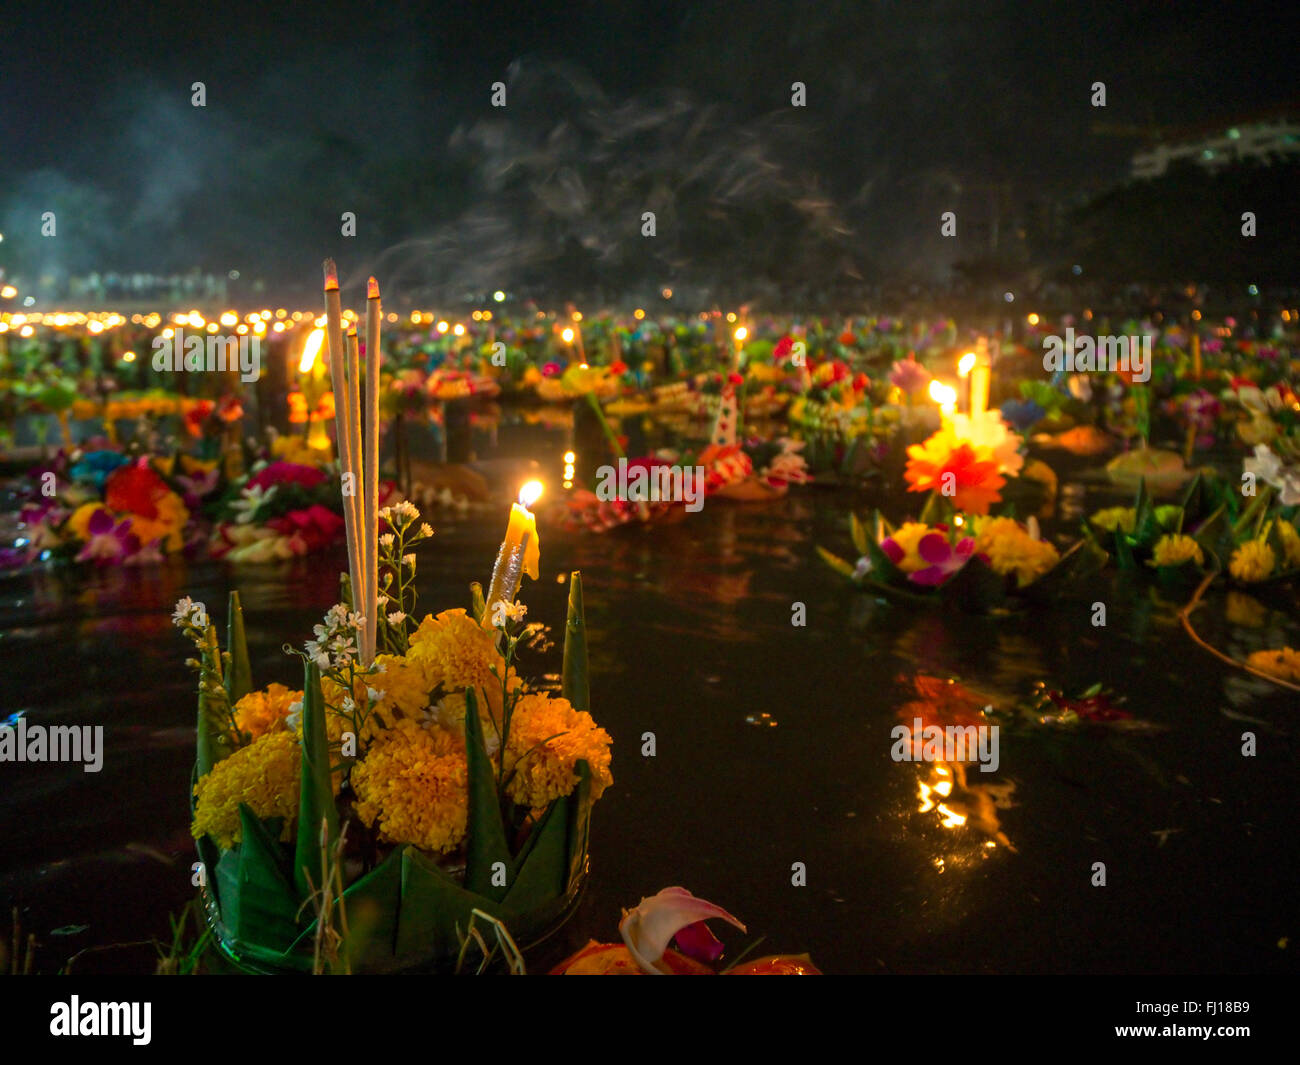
x=108, y=541
x=196, y=487
x=944, y=559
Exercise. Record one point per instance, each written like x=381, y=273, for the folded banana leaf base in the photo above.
x=407, y=913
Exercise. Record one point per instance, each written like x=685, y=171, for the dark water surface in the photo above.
x=691, y=639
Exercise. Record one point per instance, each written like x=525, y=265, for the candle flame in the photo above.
x=530, y=494
x=944, y=395
x=331, y=276
x=741, y=333
x=966, y=364
x=372, y=289
x=567, y=336
x=310, y=350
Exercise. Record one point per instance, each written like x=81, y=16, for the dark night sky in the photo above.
x=613, y=108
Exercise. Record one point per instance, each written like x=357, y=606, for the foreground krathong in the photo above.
x=416, y=779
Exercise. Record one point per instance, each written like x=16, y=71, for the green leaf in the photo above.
x=432, y=905
x=1215, y=534
x=316, y=801
x=477, y=603
x=373, y=905
x=485, y=832
x=859, y=533
x=835, y=562
x=258, y=904
x=1246, y=521
x=1146, y=529
x=1083, y=560
x=932, y=512
x=543, y=872
x=1194, y=498
x=575, y=685
x=239, y=678
x=883, y=571
x=975, y=588
x=578, y=815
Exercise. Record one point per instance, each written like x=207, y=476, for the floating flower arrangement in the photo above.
x=358, y=824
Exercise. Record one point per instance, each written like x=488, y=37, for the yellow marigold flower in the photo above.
x=403, y=684
x=258, y=713
x=1290, y=542
x=456, y=651
x=907, y=536
x=548, y=738
x=1112, y=518
x=1252, y=561
x=265, y=776
x=415, y=783
x=1010, y=549
x=1174, y=549
x=1283, y=663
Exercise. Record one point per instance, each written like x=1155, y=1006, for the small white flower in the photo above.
x=250, y=499
x=408, y=560
x=426, y=529
x=295, y=713
x=396, y=617
x=387, y=540
x=322, y=660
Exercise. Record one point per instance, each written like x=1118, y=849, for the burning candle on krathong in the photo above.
x=980, y=377
x=964, y=367
x=520, y=551
x=566, y=334
x=577, y=336
x=946, y=397
x=739, y=336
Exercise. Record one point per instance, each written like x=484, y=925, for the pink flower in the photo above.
x=909, y=376
x=287, y=473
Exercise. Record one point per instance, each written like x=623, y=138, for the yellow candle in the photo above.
x=1196, y=355
x=979, y=389
x=520, y=550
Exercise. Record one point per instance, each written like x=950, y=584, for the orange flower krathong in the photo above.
x=975, y=483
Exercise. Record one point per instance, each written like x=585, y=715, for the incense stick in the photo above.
x=359, y=549
x=334, y=338
x=371, y=523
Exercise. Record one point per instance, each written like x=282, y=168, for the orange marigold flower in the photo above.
x=954, y=468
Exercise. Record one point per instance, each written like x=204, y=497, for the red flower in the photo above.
x=197, y=415
x=134, y=489
x=287, y=473
x=783, y=348
x=619, y=367
x=316, y=525
x=735, y=378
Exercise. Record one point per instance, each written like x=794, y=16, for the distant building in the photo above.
x=1265, y=141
